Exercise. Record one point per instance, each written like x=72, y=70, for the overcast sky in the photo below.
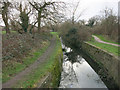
x=91, y=7
x=94, y=7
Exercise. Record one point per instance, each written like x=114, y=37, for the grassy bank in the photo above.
x=51, y=65
x=110, y=48
x=4, y=32
x=12, y=70
x=105, y=39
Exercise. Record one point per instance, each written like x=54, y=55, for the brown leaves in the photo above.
x=17, y=46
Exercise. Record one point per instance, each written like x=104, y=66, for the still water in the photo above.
x=79, y=74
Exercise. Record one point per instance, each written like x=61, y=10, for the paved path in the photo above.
x=99, y=40
x=42, y=59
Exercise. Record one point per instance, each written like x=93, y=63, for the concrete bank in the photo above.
x=106, y=60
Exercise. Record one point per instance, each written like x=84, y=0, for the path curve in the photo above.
x=99, y=40
x=10, y=83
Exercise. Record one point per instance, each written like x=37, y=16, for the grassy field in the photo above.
x=109, y=48
x=10, y=71
x=105, y=39
x=35, y=76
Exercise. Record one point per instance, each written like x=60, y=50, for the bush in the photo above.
x=74, y=34
x=108, y=26
x=16, y=46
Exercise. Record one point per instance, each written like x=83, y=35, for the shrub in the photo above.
x=108, y=26
x=74, y=34
x=16, y=46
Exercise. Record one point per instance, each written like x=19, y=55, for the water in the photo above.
x=87, y=77
x=68, y=77
x=79, y=74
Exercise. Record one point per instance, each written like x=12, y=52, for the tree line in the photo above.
x=74, y=34
x=24, y=16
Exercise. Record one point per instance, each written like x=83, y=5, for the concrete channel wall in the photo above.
x=108, y=60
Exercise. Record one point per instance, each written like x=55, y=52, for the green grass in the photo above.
x=109, y=48
x=4, y=32
x=50, y=65
x=17, y=67
x=105, y=39
x=54, y=33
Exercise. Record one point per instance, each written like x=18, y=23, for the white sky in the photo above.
x=91, y=7
x=94, y=7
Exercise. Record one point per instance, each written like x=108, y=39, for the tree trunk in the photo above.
x=7, y=28
x=5, y=19
x=39, y=21
x=73, y=20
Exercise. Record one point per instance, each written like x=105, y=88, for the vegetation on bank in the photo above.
x=21, y=50
x=109, y=48
x=106, y=39
x=74, y=34
x=51, y=65
x=4, y=32
x=20, y=54
x=105, y=27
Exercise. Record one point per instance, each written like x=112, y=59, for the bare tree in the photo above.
x=4, y=11
x=21, y=21
x=24, y=18
x=75, y=9
x=47, y=11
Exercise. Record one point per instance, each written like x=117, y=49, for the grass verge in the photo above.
x=12, y=70
x=51, y=65
x=4, y=32
x=109, y=48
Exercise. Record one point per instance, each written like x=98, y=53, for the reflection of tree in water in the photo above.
x=73, y=56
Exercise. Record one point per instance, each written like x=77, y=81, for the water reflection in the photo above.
x=68, y=77
x=87, y=77
x=78, y=73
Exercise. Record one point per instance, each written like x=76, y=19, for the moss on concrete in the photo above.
x=57, y=64
x=103, y=63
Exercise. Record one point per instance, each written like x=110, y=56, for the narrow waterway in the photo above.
x=78, y=74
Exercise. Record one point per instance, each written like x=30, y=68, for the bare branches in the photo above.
x=74, y=11
x=46, y=10
x=4, y=11
x=36, y=12
x=34, y=5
